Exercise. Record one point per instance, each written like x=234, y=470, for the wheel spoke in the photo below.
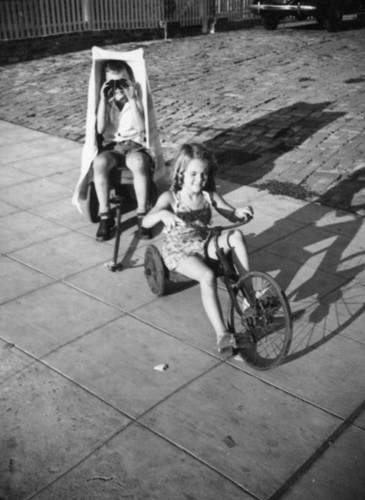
x=261, y=314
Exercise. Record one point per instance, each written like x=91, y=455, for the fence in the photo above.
x=21, y=19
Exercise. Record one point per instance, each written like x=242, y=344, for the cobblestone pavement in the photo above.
x=283, y=109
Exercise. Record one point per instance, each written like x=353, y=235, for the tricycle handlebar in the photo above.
x=220, y=229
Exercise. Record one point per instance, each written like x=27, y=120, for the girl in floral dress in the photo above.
x=186, y=212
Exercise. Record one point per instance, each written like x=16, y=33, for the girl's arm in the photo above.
x=162, y=212
x=229, y=212
x=102, y=116
x=136, y=108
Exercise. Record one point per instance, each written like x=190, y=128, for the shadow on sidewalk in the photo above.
x=248, y=153
x=328, y=263
x=343, y=195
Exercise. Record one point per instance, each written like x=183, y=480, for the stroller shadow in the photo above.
x=248, y=153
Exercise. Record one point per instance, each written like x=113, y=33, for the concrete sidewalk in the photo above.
x=84, y=415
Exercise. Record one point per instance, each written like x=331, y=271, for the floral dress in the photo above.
x=189, y=238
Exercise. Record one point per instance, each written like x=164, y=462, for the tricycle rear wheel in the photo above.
x=155, y=271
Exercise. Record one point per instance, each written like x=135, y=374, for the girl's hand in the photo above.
x=104, y=90
x=244, y=213
x=170, y=220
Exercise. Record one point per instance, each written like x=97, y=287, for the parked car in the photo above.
x=328, y=13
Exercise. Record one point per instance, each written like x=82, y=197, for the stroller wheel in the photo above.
x=155, y=270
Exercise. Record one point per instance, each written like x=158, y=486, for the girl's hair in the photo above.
x=117, y=66
x=188, y=152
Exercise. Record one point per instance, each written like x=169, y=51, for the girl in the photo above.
x=186, y=211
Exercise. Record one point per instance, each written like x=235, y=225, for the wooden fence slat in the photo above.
x=127, y=14
x=53, y=17
x=95, y=14
x=118, y=12
x=150, y=17
x=78, y=17
x=57, y=12
x=62, y=15
x=102, y=16
x=114, y=14
x=70, y=15
x=99, y=15
x=42, y=21
x=49, y=16
x=34, y=18
x=29, y=19
x=137, y=13
x=13, y=19
x=11, y=29
x=67, y=15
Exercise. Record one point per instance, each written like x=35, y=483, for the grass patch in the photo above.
x=299, y=192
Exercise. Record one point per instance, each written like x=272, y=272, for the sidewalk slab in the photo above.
x=17, y=280
x=49, y=317
x=11, y=176
x=59, y=212
x=138, y=464
x=234, y=421
x=125, y=290
x=12, y=362
x=181, y=314
x=7, y=209
x=34, y=193
x=56, y=257
x=23, y=228
x=304, y=284
x=338, y=474
x=118, y=363
x=342, y=311
x=318, y=365
x=48, y=424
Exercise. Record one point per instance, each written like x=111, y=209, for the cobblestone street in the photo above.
x=277, y=107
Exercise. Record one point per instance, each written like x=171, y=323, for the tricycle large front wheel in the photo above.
x=260, y=319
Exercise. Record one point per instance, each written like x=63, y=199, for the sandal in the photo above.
x=225, y=341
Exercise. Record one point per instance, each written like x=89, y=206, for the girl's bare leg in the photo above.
x=102, y=166
x=194, y=268
x=235, y=242
x=138, y=163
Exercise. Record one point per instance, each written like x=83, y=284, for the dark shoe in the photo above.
x=143, y=232
x=106, y=226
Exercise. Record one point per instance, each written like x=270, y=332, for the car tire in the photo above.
x=332, y=21
x=270, y=22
